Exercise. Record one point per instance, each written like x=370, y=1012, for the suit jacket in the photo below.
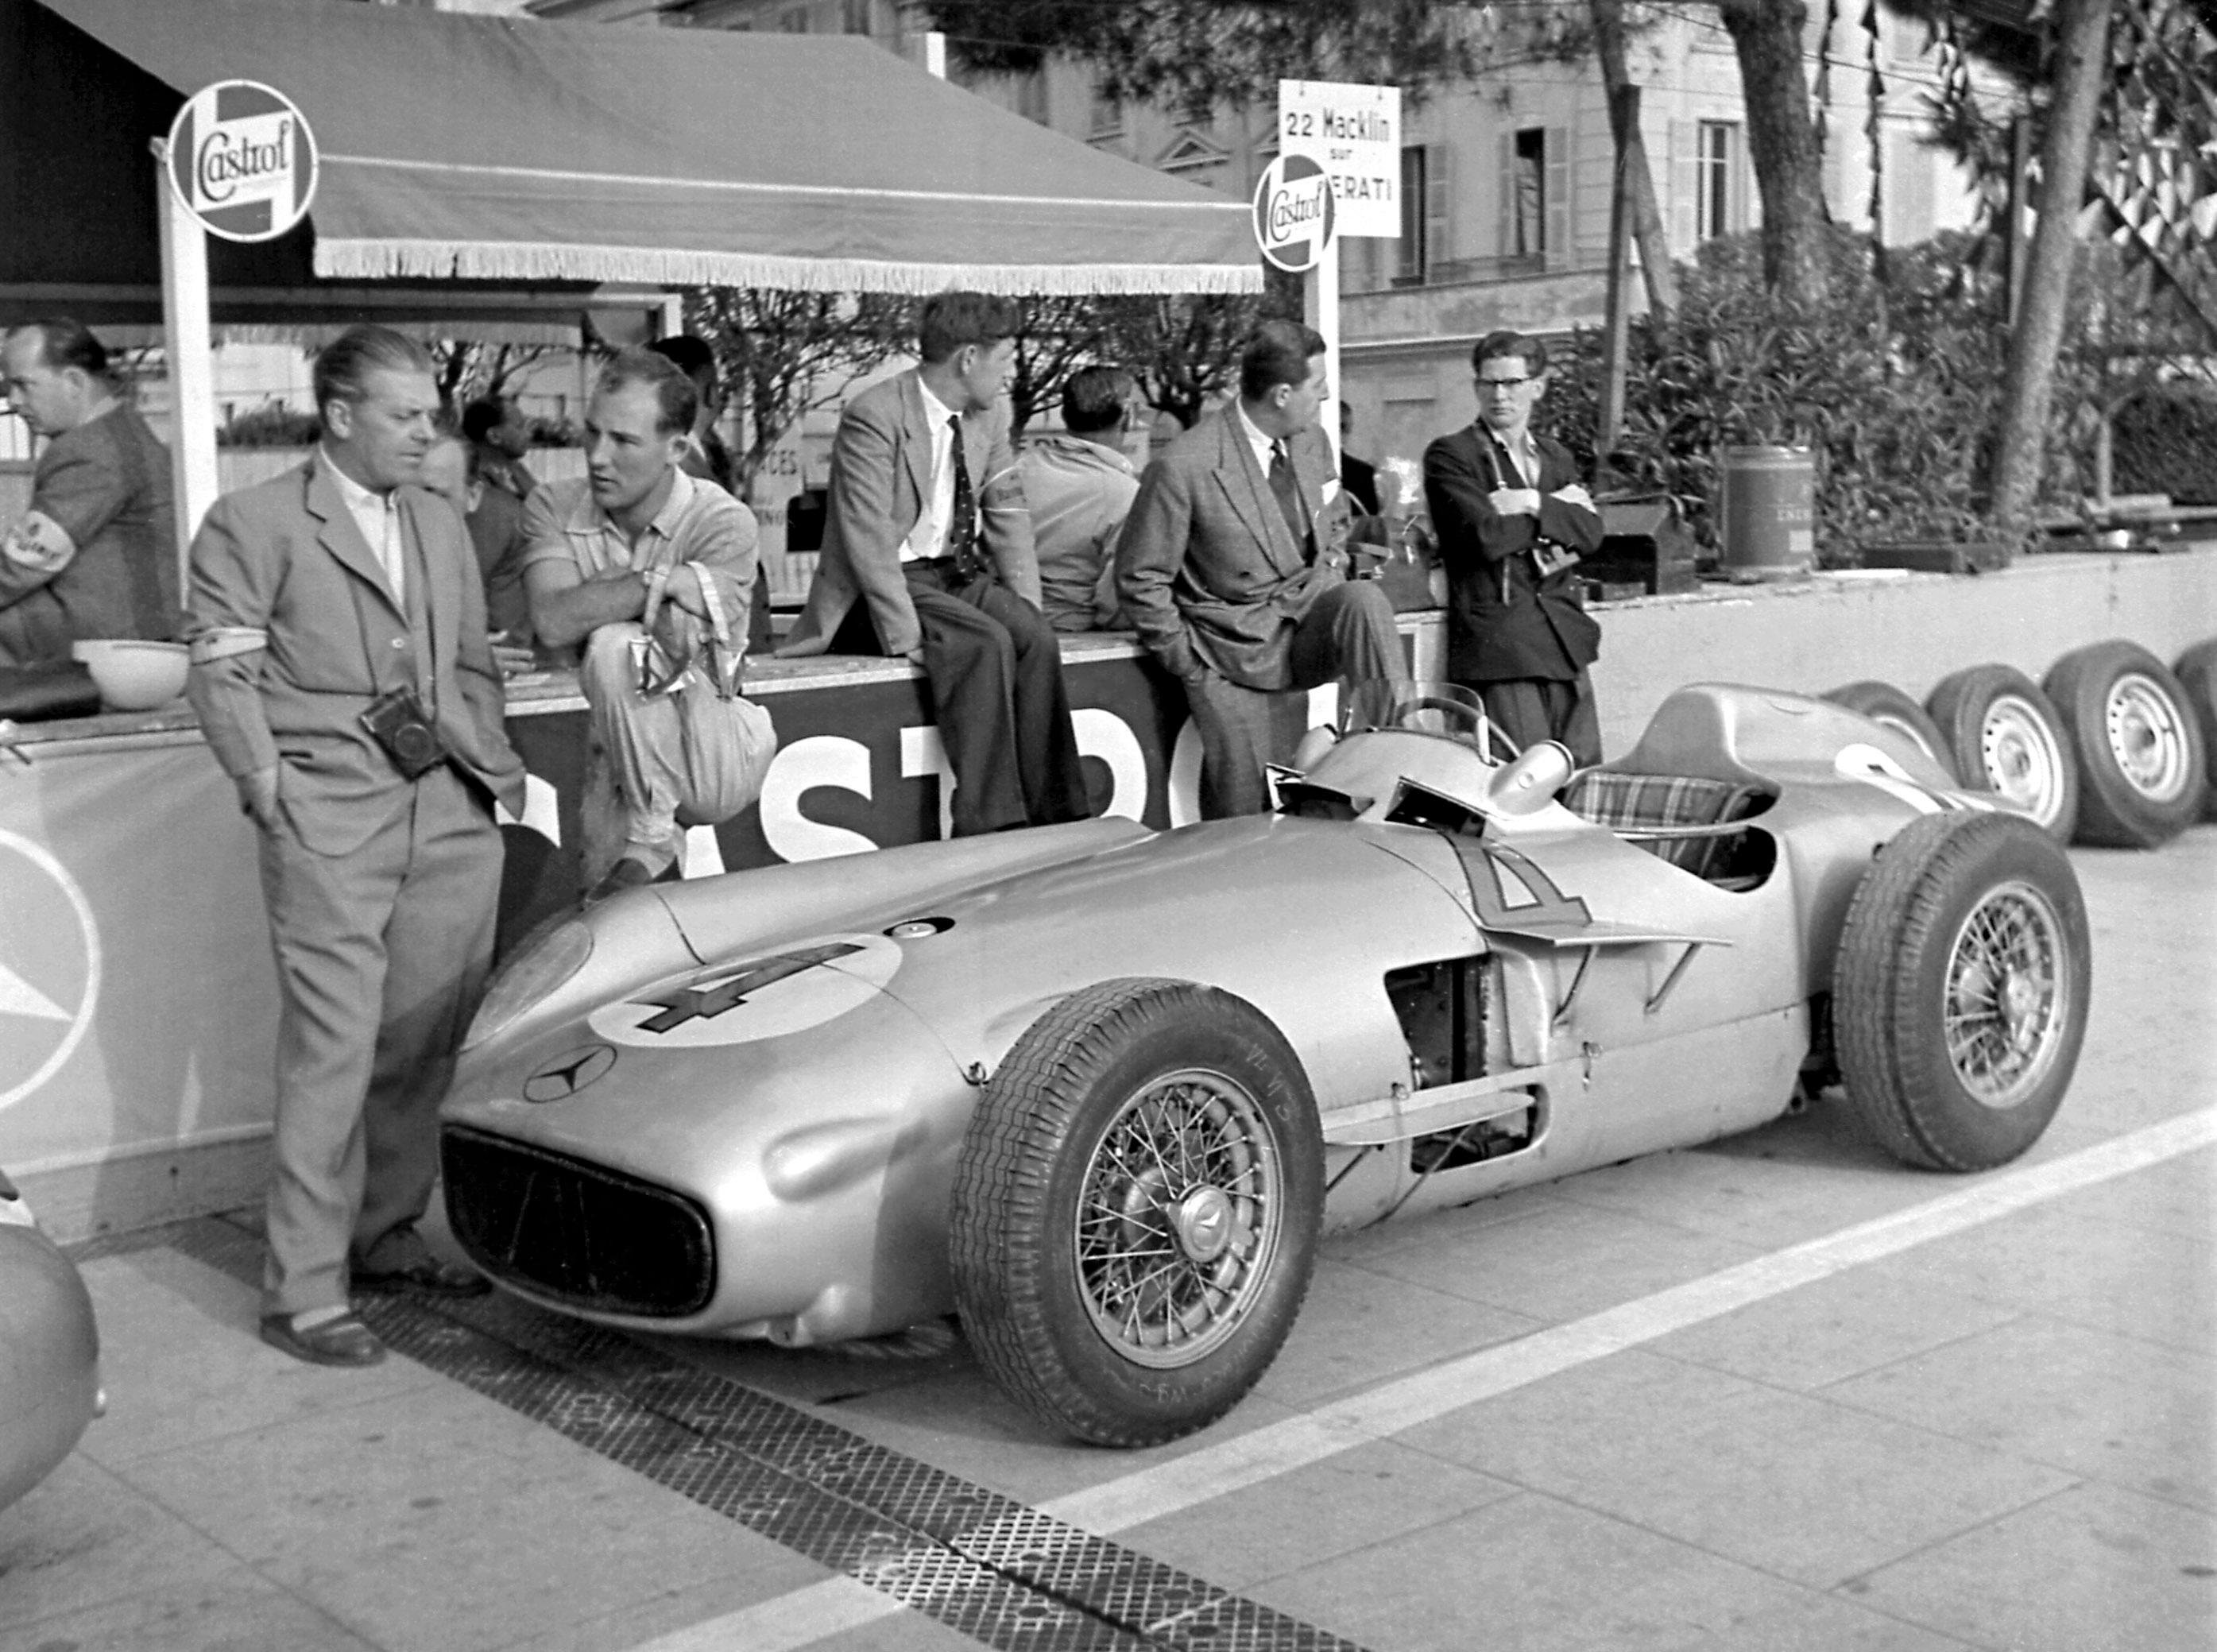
x=880, y=477
x=286, y=559
x=1503, y=620
x=1209, y=573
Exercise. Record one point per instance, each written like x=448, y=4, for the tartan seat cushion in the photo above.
x=1659, y=802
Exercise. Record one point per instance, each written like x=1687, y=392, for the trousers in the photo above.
x=1529, y=710
x=381, y=957
x=686, y=759
x=1003, y=708
x=1347, y=633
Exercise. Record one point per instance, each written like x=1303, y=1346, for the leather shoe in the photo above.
x=341, y=1342
x=426, y=1276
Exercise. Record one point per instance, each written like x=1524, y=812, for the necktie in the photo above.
x=1287, y=493
x=962, y=525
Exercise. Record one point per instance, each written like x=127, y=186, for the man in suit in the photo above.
x=342, y=674
x=96, y=555
x=1228, y=569
x=928, y=554
x=1512, y=522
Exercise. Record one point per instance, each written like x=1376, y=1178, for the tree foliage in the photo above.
x=783, y=354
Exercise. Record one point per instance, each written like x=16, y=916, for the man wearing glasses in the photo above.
x=1512, y=522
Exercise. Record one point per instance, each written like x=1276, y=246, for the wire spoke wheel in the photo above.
x=2006, y=995
x=1136, y=1211
x=1178, y=1218
x=1960, y=988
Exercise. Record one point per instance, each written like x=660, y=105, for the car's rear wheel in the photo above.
x=1135, y=1215
x=2006, y=737
x=2142, y=771
x=2196, y=671
x=1959, y=992
x=1885, y=704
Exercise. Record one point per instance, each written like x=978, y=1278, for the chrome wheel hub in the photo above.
x=2020, y=757
x=2145, y=737
x=2007, y=996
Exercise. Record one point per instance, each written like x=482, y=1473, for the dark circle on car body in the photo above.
x=919, y=928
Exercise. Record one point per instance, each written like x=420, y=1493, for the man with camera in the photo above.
x=342, y=674
x=1513, y=521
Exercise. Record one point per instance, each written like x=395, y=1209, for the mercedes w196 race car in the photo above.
x=1099, y=1089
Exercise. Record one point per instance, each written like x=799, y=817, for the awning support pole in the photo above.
x=192, y=359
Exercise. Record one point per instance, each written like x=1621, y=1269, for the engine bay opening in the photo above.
x=1442, y=1007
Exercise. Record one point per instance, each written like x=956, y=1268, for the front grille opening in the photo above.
x=592, y=1238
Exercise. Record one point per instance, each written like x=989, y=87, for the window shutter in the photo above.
x=1504, y=190
x=1438, y=203
x=1557, y=202
x=1685, y=183
x=1745, y=206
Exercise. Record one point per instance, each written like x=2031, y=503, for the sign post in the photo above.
x=1351, y=134
x=240, y=162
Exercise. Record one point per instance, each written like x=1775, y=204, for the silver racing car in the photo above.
x=1099, y=1089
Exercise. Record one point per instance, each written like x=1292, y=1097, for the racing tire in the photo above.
x=1136, y=1210
x=2005, y=737
x=1960, y=990
x=1885, y=704
x=2143, y=773
x=2196, y=671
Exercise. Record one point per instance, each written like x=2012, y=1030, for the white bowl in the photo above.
x=134, y=675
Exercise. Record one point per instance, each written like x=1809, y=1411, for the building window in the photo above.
x=1527, y=184
x=1534, y=198
x=1104, y=123
x=1716, y=152
x=854, y=17
x=793, y=20
x=1031, y=95
x=1409, y=259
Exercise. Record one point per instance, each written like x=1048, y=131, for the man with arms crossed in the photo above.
x=1232, y=584
x=1512, y=522
x=341, y=675
x=928, y=554
x=652, y=572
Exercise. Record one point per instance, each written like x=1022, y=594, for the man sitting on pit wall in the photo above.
x=1080, y=487
x=652, y=572
x=1229, y=569
x=96, y=553
x=708, y=459
x=928, y=555
x=497, y=431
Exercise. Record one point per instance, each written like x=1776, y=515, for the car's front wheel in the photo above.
x=1960, y=993
x=1135, y=1216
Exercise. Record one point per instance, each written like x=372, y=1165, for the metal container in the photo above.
x=1768, y=514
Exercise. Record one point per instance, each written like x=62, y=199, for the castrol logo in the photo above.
x=242, y=160
x=1293, y=212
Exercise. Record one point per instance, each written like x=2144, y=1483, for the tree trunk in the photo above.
x=1782, y=140
x=1647, y=217
x=2082, y=53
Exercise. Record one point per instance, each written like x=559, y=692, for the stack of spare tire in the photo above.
x=2113, y=749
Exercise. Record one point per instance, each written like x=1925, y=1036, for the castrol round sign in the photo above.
x=243, y=161
x=1293, y=212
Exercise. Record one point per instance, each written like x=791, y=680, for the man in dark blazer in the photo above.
x=331, y=603
x=928, y=555
x=1227, y=568
x=1512, y=521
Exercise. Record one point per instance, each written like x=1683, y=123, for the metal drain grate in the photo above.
x=983, y=1565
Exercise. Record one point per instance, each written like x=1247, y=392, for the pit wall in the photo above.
x=137, y=1005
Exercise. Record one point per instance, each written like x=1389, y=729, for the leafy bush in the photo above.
x=273, y=424
x=2165, y=442
x=1896, y=387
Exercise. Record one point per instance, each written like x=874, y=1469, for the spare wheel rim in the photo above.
x=1178, y=1218
x=2147, y=740
x=2022, y=759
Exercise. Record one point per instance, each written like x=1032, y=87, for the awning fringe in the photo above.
x=511, y=261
